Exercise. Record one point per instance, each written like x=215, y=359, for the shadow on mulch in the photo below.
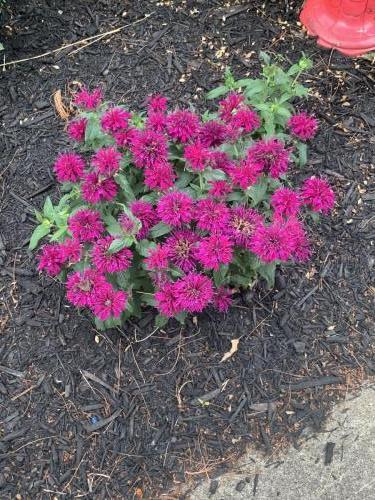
x=136, y=412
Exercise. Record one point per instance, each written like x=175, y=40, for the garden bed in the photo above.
x=134, y=412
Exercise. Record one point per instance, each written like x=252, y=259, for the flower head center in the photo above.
x=242, y=225
x=85, y=285
x=183, y=248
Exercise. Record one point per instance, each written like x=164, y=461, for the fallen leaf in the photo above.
x=233, y=349
x=59, y=105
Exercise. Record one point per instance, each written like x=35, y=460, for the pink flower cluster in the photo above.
x=206, y=228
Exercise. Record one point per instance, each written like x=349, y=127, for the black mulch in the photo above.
x=135, y=413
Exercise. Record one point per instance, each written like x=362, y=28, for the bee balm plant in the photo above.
x=177, y=210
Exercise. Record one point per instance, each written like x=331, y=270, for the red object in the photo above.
x=345, y=25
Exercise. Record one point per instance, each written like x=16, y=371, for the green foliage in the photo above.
x=272, y=94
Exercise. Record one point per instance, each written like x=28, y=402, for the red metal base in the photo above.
x=345, y=25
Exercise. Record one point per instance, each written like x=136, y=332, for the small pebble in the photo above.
x=213, y=486
x=41, y=104
x=241, y=486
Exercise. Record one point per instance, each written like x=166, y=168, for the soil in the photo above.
x=134, y=413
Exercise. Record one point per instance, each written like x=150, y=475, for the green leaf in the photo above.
x=269, y=124
x=160, y=229
x=38, y=233
x=184, y=180
x=305, y=63
x=93, y=130
x=125, y=186
x=236, y=196
x=48, y=209
x=258, y=192
x=263, y=56
x=315, y=216
x=302, y=153
x=300, y=90
x=220, y=276
x=39, y=216
x=293, y=70
x=267, y=271
x=240, y=280
x=144, y=246
x=94, y=136
x=161, y=321
x=59, y=234
x=273, y=183
x=256, y=87
x=181, y=317
x=217, y=92
x=107, y=324
x=113, y=227
x=148, y=299
x=285, y=97
x=229, y=80
x=61, y=218
x=120, y=243
x=284, y=112
x=211, y=174
x=207, y=116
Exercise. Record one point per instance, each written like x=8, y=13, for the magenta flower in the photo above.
x=69, y=167
x=166, y=300
x=85, y=225
x=106, y=302
x=124, y=138
x=317, y=194
x=145, y=212
x=115, y=119
x=197, y=156
x=71, y=251
x=242, y=224
x=211, y=215
x=246, y=173
x=81, y=285
x=160, y=177
x=219, y=189
x=271, y=154
x=157, y=258
x=157, y=103
x=194, y=292
x=245, y=119
x=301, y=245
x=107, y=262
x=96, y=189
x=214, y=251
x=181, y=249
x=107, y=161
x=157, y=121
x=175, y=208
x=222, y=299
x=182, y=125
x=77, y=129
x=50, y=259
x=127, y=224
x=303, y=126
x=221, y=161
x=229, y=104
x=212, y=133
x=149, y=149
x=87, y=100
x=285, y=202
x=272, y=242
